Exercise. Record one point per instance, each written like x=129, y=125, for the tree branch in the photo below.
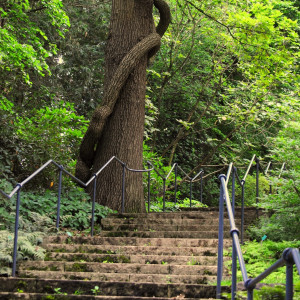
x=212, y=18
x=36, y=9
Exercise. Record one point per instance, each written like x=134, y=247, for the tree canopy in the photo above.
x=224, y=82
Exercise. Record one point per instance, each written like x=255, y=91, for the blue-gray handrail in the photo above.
x=242, y=182
x=175, y=168
x=17, y=190
x=18, y=187
x=289, y=257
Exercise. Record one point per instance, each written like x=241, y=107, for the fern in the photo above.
x=28, y=248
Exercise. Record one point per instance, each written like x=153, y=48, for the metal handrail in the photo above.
x=175, y=168
x=62, y=170
x=17, y=190
x=289, y=257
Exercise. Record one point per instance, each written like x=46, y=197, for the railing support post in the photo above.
x=176, y=171
x=242, y=212
x=201, y=187
x=16, y=232
x=59, y=197
x=250, y=294
x=191, y=191
x=164, y=195
x=93, y=204
x=149, y=188
x=123, y=188
x=220, y=242
x=234, y=254
x=257, y=184
x=289, y=282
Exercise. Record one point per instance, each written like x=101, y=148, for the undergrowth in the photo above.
x=258, y=256
x=38, y=216
x=172, y=206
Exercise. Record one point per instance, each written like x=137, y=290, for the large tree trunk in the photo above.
x=117, y=126
x=131, y=21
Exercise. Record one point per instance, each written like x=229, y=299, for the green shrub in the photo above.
x=250, y=190
x=285, y=199
x=171, y=206
x=259, y=256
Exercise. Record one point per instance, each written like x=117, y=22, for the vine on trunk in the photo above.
x=149, y=45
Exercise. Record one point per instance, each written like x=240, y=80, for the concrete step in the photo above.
x=125, y=289
x=160, y=227
x=190, y=213
x=136, y=241
x=122, y=277
x=164, y=222
x=131, y=250
x=165, y=234
x=136, y=259
x=57, y=266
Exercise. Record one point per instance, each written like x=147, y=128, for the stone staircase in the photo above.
x=136, y=256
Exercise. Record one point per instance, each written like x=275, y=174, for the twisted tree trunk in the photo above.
x=117, y=126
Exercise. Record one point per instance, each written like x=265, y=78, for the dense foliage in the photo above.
x=284, y=201
x=38, y=213
x=258, y=257
x=224, y=86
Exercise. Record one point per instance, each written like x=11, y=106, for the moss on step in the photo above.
x=77, y=267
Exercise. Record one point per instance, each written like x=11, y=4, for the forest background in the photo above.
x=224, y=86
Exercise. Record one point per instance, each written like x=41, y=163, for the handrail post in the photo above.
x=234, y=254
x=93, y=204
x=289, y=282
x=59, y=197
x=242, y=212
x=250, y=294
x=164, y=194
x=257, y=184
x=149, y=181
x=220, y=242
x=123, y=188
x=16, y=232
x=191, y=191
x=176, y=171
x=201, y=187
x=266, y=172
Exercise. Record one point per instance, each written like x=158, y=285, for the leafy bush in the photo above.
x=268, y=293
x=31, y=138
x=75, y=209
x=28, y=248
x=258, y=257
x=250, y=190
x=285, y=199
x=171, y=206
x=156, y=181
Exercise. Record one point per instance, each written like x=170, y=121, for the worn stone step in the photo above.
x=164, y=222
x=121, y=277
x=135, y=241
x=116, y=268
x=128, y=250
x=33, y=285
x=202, y=213
x=174, y=215
x=160, y=227
x=165, y=234
x=137, y=259
x=36, y=296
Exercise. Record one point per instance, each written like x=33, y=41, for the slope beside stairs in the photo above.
x=136, y=256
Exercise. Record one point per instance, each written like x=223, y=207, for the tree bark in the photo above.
x=117, y=126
